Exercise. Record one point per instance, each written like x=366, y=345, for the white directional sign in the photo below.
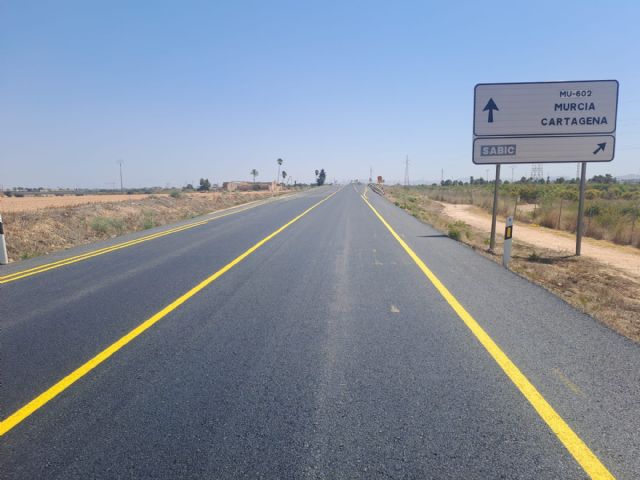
x=549, y=108
x=542, y=123
x=592, y=148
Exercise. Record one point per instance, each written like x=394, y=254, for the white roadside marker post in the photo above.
x=508, y=234
x=4, y=259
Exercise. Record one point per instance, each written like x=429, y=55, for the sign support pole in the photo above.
x=492, y=241
x=580, y=229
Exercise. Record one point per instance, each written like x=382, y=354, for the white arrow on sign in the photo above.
x=549, y=108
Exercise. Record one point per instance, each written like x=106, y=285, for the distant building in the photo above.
x=242, y=186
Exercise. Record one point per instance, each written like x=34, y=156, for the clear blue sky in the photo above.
x=185, y=89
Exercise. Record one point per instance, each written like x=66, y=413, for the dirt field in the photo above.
x=604, y=282
x=28, y=204
x=44, y=228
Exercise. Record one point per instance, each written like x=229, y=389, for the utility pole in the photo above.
x=120, y=162
x=442, y=176
x=487, y=177
x=370, y=173
x=512, y=170
x=537, y=172
x=406, y=172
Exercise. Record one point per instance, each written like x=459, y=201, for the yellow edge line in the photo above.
x=572, y=442
x=24, y=412
x=78, y=258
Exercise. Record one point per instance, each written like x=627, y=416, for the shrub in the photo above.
x=454, y=233
x=176, y=194
x=106, y=225
x=457, y=229
x=148, y=220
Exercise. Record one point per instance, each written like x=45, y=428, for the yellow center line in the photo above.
x=94, y=253
x=572, y=442
x=38, y=402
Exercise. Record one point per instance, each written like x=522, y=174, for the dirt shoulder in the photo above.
x=604, y=282
x=620, y=257
x=35, y=232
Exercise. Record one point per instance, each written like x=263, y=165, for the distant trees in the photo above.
x=254, y=173
x=321, y=176
x=608, y=178
x=205, y=185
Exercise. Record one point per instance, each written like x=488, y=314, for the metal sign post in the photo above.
x=492, y=240
x=580, y=226
x=508, y=235
x=545, y=122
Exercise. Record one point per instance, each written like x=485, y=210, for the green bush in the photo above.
x=148, y=221
x=106, y=225
x=454, y=233
x=457, y=229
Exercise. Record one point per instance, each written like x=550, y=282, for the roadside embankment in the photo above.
x=604, y=282
x=32, y=232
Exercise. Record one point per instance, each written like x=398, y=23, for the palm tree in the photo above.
x=284, y=176
x=279, y=163
x=254, y=173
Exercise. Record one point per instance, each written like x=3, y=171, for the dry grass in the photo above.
x=38, y=232
x=606, y=293
x=614, y=219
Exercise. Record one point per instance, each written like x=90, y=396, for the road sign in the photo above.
x=548, y=108
x=494, y=150
x=544, y=122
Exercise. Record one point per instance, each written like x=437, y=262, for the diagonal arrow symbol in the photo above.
x=600, y=147
x=491, y=106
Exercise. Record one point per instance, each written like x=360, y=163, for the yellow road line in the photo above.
x=94, y=253
x=574, y=444
x=21, y=414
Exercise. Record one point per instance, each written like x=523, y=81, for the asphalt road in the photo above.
x=323, y=352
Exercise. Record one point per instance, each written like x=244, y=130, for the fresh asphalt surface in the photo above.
x=324, y=354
